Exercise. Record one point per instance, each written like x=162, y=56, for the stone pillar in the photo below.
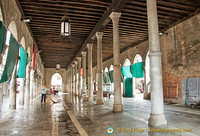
x=84, y=72
x=79, y=76
x=76, y=83
x=117, y=107
x=133, y=86
x=1, y=99
x=31, y=83
x=28, y=68
x=99, y=36
x=21, y=91
x=73, y=79
x=90, y=83
x=157, y=116
x=13, y=86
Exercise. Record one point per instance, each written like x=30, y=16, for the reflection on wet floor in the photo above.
x=95, y=119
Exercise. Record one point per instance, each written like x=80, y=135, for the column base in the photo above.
x=157, y=120
x=99, y=102
x=117, y=108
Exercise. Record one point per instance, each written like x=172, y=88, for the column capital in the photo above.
x=79, y=59
x=99, y=35
x=72, y=65
x=84, y=53
x=89, y=45
x=75, y=62
x=115, y=15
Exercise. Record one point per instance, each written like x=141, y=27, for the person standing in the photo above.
x=44, y=92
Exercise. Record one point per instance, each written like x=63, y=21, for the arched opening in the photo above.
x=1, y=15
x=127, y=78
x=138, y=77
x=106, y=81
x=147, y=74
x=56, y=82
x=13, y=29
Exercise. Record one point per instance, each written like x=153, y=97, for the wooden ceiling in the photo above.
x=89, y=16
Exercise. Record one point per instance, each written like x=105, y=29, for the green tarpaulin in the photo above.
x=22, y=63
x=2, y=36
x=128, y=87
x=11, y=59
x=126, y=71
x=110, y=73
x=137, y=70
x=104, y=78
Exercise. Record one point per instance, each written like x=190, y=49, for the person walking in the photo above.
x=44, y=92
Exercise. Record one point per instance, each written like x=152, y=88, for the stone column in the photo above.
x=1, y=99
x=13, y=86
x=90, y=83
x=31, y=83
x=73, y=79
x=21, y=91
x=117, y=107
x=75, y=72
x=157, y=116
x=99, y=36
x=84, y=72
x=28, y=68
x=79, y=76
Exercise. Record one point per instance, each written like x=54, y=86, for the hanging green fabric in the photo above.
x=104, y=78
x=107, y=77
x=128, y=87
x=2, y=36
x=11, y=59
x=22, y=63
x=126, y=71
x=110, y=73
x=137, y=70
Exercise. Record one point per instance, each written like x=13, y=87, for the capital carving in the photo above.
x=79, y=59
x=99, y=35
x=89, y=45
x=84, y=53
x=115, y=16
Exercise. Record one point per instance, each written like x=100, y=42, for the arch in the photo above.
x=137, y=58
x=111, y=67
x=106, y=69
x=127, y=62
x=1, y=15
x=13, y=29
x=29, y=51
x=56, y=81
x=23, y=43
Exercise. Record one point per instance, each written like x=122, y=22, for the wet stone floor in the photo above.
x=36, y=119
x=96, y=119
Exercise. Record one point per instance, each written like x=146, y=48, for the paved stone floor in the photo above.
x=79, y=117
x=95, y=119
x=36, y=119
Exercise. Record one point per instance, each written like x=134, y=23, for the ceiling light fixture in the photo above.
x=65, y=26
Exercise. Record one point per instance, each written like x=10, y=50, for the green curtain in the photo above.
x=128, y=87
x=137, y=70
x=126, y=71
x=2, y=36
x=13, y=51
x=104, y=78
x=22, y=63
x=110, y=73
